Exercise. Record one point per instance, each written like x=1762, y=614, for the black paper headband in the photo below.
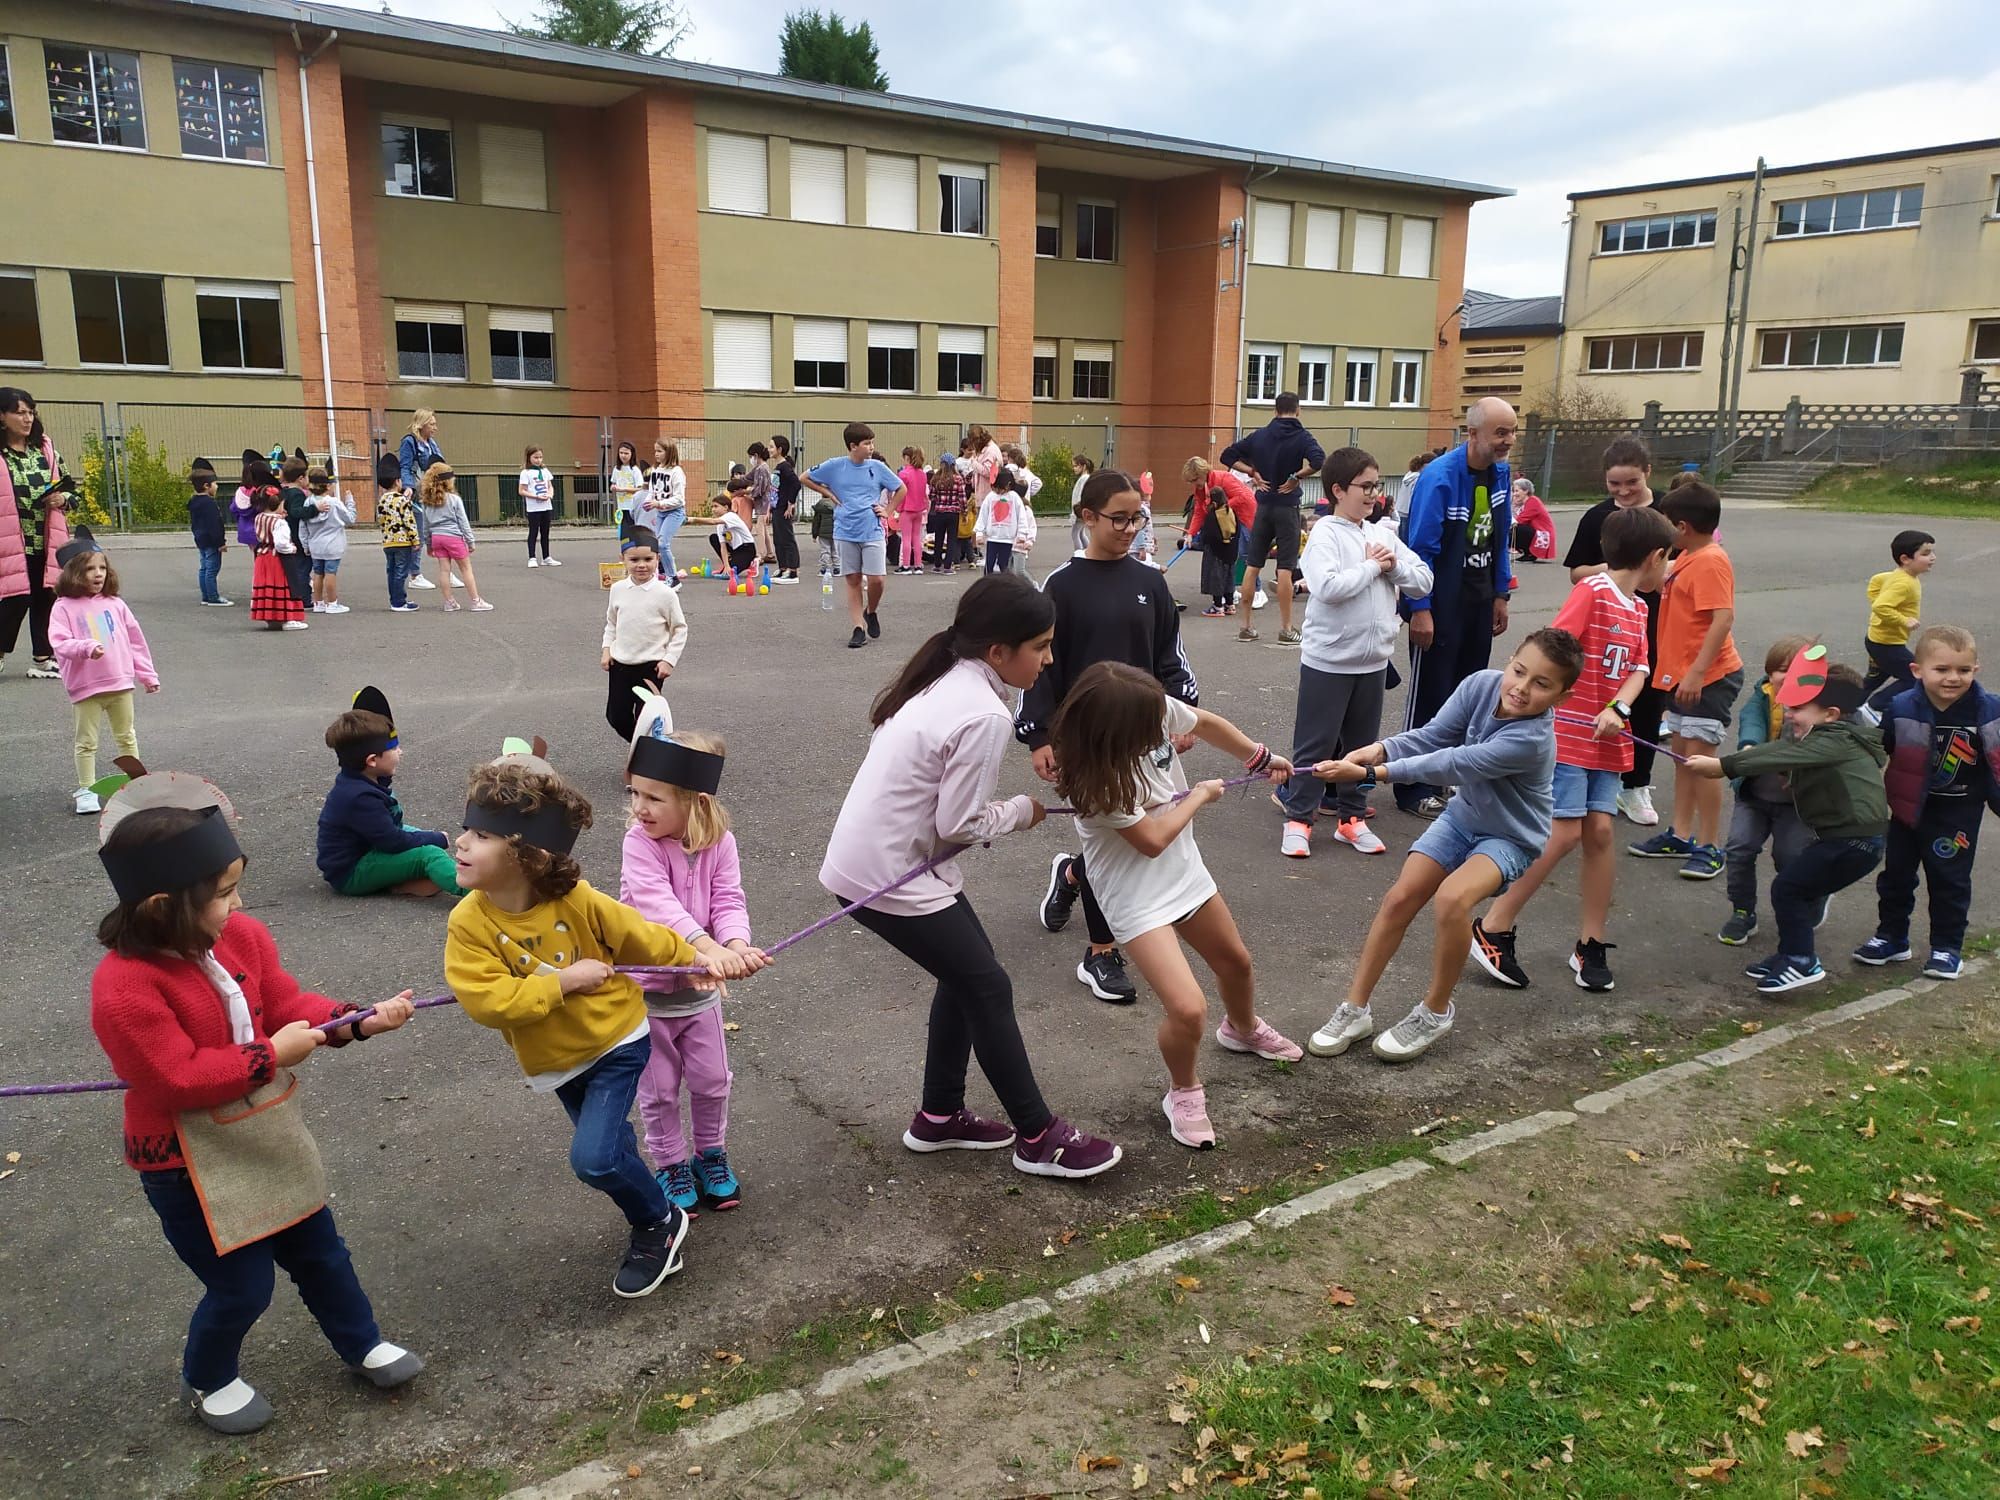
x=173, y=864
x=547, y=827
x=676, y=764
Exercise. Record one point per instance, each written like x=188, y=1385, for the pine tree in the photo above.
x=821, y=49
x=652, y=28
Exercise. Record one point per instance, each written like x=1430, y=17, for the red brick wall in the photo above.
x=1014, y=359
x=584, y=196
x=1447, y=361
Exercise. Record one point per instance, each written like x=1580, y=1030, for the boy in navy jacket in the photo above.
x=205, y=522
x=364, y=844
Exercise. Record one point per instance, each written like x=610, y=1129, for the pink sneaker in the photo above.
x=1265, y=1041
x=1187, y=1118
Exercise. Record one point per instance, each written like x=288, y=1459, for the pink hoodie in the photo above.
x=691, y=893
x=78, y=626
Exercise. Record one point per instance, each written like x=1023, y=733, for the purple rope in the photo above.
x=1583, y=723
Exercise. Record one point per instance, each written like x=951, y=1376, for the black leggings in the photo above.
x=35, y=607
x=972, y=1011
x=1645, y=725
x=784, y=544
x=538, y=528
x=621, y=704
x=1093, y=915
x=944, y=531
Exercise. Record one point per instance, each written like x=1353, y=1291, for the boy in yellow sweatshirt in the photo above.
x=530, y=952
x=1895, y=603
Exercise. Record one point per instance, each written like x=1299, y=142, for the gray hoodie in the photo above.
x=1504, y=769
x=326, y=530
x=1351, y=621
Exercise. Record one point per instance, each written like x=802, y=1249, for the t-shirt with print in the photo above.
x=1476, y=583
x=857, y=489
x=1138, y=894
x=1611, y=624
x=1954, y=768
x=1698, y=584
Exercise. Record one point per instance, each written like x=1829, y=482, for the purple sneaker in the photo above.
x=1065, y=1151
x=964, y=1131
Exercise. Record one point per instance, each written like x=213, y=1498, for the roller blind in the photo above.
x=819, y=183
x=513, y=171
x=892, y=191
x=1092, y=354
x=739, y=173
x=1323, y=239
x=247, y=289
x=961, y=340
x=430, y=312
x=820, y=339
x=1371, y=243
x=893, y=336
x=1045, y=349
x=742, y=351
x=1271, y=235
x=521, y=320
x=1415, y=256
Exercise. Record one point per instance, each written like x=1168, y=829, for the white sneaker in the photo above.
x=1356, y=834
x=1635, y=805
x=318, y=608
x=480, y=604
x=552, y=562
x=1297, y=841
x=1347, y=1025
x=86, y=801
x=533, y=564
x=1261, y=600
x=296, y=625
x=336, y=608
x=421, y=582
x=1414, y=1035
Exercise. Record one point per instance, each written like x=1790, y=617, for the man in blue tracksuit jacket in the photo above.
x=1459, y=522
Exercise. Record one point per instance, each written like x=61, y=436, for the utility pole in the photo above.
x=1728, y=322
x=1743, y=308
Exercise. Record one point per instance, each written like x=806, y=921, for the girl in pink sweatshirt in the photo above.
x=101, y=652
x=681, y=870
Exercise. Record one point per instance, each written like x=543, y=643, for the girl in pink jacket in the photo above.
x=101, y=652
x=681, y=870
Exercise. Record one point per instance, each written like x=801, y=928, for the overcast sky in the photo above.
x=1545, y=96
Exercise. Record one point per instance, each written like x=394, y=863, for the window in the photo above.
x=1844, y=213
x=221, y=110
x=1371, y=244
x=1406, y=380
x=742, y=351
x=961, y=198
x=1271, y=233
x=1090, y=372
x=1096, y=231
x=1048, y=226
x=1260, y=374
x=819, y=354
x=1484, y=351
x=1642, y=352
x=1985, y=338
x=1315, y=375
x=1045, y=370
x=739, y=173
x=892, y=356
x=1663, y=232
x=523, y=344
x=1323, y=239
x=513, y=167
x=120, y=320
x=892, y=191
x=1360, y=378
x=416, y=161
x=20, y=321
x=1823, y=348
x=6, y=96
x=961, y=361
x=430, y=341
x=1414, y=258
x=240, y=326
x=94, y=97
x=819, y=183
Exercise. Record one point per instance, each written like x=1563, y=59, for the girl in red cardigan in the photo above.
x=195, y=1012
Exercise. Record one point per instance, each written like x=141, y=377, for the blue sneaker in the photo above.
x=1704, y=862
x=1763, y=966
x=1879, y=950
x=1790, y=974
x=718, y=1184
x=1666, y=844
x=1942, y=964
x=676, y=1180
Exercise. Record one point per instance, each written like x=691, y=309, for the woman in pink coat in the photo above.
x=32, y=528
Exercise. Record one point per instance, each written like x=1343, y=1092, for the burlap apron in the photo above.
x=253, y=1164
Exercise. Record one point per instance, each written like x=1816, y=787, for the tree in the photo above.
x=652, y=28
x=821, y=49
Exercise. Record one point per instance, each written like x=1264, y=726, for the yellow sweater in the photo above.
x=1894, y=601
x=503, y=968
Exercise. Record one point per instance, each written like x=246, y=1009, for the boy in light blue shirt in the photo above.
x=857, y=485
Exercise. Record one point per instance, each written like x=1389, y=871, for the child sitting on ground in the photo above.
x=1942, y=737
x=1764, y=812
x=1895, y=604
x=364, y=844
x=1495, y=740
x=530, y=953
x=732, y=541
x=1835, y=766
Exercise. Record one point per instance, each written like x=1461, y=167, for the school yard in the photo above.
x=450, y=1179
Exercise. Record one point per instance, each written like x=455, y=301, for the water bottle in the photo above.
x=825, y=589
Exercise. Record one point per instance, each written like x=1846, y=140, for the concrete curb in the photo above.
x=596, y=1477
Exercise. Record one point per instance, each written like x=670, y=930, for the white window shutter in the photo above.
x=739, y=173
x=742, y=351
x=521, y=320
x=821, y=339
x=1045, y=349
x=1371, y=244
x=1323, y=239
x=259, y=290
x=513, y=170
x=1097, y=354
x=1415, y=257
x=892, y=191
x=961, y=340
x=430, y=312
x=892, y=336
x=1271, y=234
x=819, y=183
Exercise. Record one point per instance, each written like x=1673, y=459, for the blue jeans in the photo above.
x=398, y=560
x=1816, y=872
x=604, y=1153
x=209, y=570
x=239, y=1284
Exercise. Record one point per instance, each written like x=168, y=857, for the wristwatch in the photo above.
x=1623, y=710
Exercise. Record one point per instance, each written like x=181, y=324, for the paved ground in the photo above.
x=450, y=1179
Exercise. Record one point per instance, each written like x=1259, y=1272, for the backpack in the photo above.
x=1219, y=526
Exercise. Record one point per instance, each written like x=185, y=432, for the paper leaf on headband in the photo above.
x=130, y=768
x=656, y=719
x=1805, y=679
x=515, y=745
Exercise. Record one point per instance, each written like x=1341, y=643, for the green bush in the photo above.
x=1054, y=463
x=158, y=489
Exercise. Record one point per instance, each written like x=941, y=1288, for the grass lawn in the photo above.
x=1814, y=1328
x=1970, y=490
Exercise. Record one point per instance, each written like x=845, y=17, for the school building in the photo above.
x=221, y=205
x=1873, y=280
x=1510, y=348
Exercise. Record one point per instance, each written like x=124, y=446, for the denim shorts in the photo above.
x=1452, y=845
x=1708, y=720
x=323, y=565
x=1579, y=791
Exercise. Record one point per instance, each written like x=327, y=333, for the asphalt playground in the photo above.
x=450, y=1179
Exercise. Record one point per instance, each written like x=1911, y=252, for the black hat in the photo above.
x=81, y=544
x=300, y=455
x=175, y=863
x=676, y=764
x=370, y=700
x=388, y=471
x=199, y=468
x=251, y=456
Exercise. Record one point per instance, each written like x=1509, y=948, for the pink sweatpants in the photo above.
x=686, y=1050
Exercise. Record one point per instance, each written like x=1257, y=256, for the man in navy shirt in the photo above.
x=1276, y=456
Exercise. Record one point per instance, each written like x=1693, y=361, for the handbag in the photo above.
x=253, y=1164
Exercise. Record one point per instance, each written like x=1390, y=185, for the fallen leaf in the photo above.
x=694, y=1471
x=1294, y=1453
x=1867, y=1131
x=1377, y=1383
x=726, y=1357
x=13, y=1158
x=1641, y=1304
x=1678, y=1242
x=1718, y=1470
x=1799, y=1444
x=686, y=1403
x=1524, y=1356
x=1882, y=1325
x=1202, y=1329
x=1751, y=1028
x=1139, y=1476
x=6, y=1174
x=1179, y=1414
x=878, y=1315
x=1204, y=1440
x=1048, y=1251
x=1631, y=1155
x=1339, y=1296
x=732, y=1026
x=1241, y=1452
x=1188, y=1283
x=1747, y=1292
x=1969, y=1324
x=633, y=1471
x=1087, y=1464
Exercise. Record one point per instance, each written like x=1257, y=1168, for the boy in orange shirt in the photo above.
x=1699, y=669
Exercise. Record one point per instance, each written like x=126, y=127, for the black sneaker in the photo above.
x=1061, y=898
x=1739, y=929
x=1494, y=952
x=874, y=622
x=653, y=1256
x=859, y=639
x=1587, y=963
x=1104, y=974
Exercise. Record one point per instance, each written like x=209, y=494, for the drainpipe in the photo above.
x=306, y=59
x=1241, y=281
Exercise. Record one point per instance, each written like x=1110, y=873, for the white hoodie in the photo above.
x=1350, y=624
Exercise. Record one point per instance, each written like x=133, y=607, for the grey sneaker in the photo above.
x=1347, y=1025
x=234, y=1410
x=1414, y=1035
x=1288, y=637
x=388, y=1365
x=1245, y=634
x=1739, y=929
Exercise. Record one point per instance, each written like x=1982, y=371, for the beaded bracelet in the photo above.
x=1259, y=759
